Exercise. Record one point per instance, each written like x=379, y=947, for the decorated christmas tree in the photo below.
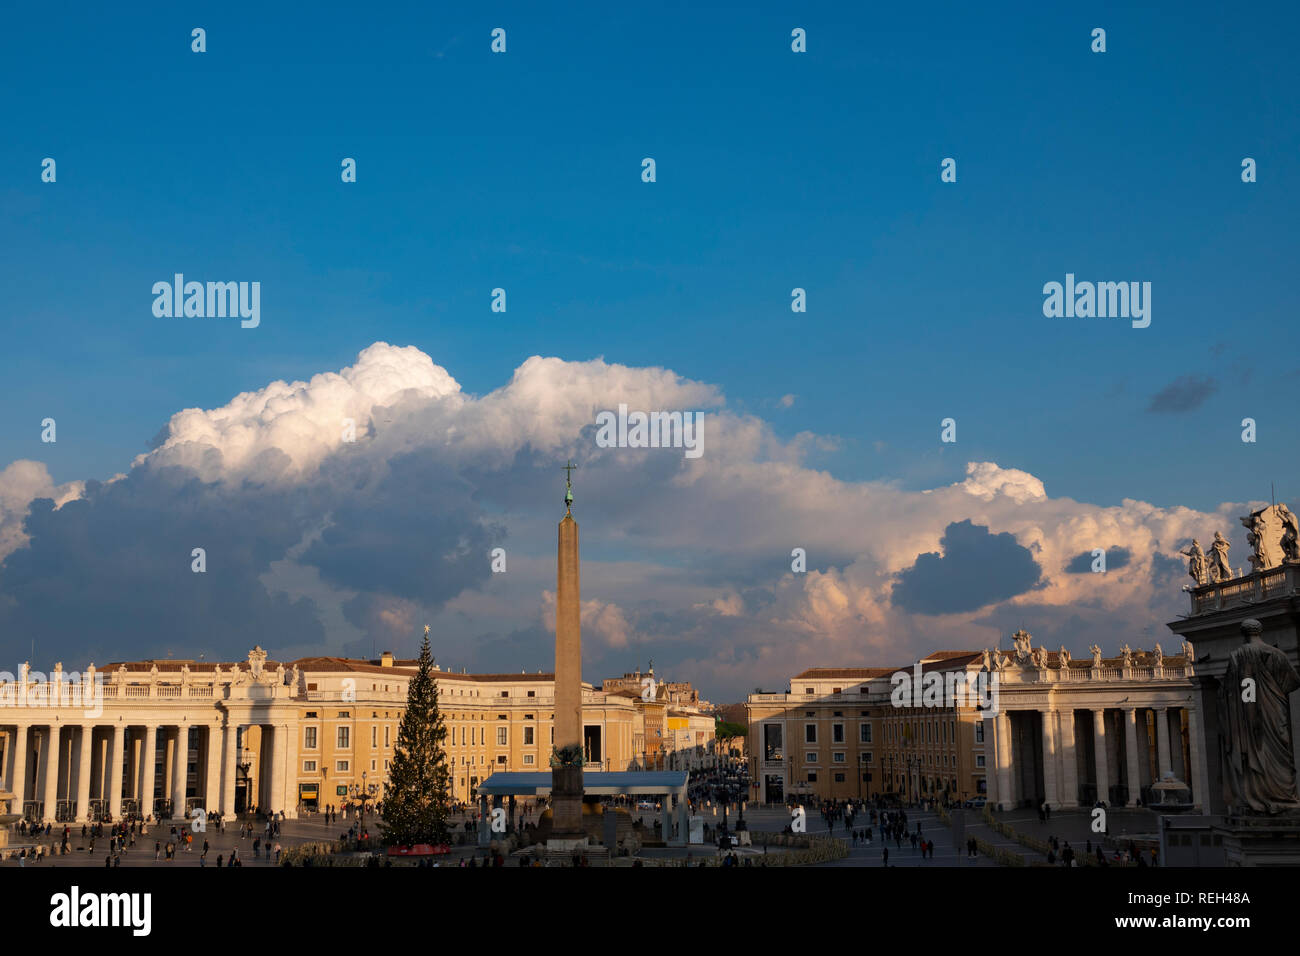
x=417, y=800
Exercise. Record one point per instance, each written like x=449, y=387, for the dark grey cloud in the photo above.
x=109, y=575
x=1184, y=394
x=1116, y=558
x=974, y=569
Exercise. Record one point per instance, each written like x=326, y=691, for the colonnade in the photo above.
x=81, y=771
x=1076, y=757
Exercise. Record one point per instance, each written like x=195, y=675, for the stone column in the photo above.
x=149, y=757
x=1162, y=740
x=169, y=767
x=83, y=772
x=1069, y=761
x=1131, y=745
x=51, y=755
x=292, y=767
x=181, y=771
x=212, y=777
x=116, y=767
x=279, y=751
x=18, y=784
x=1178, y=758
x=134, y=768
x=1200, y=776
x=666, y=817
x=1006, y=795
x=1099, y=747
x=683, y=821
x=105, y=752
x=1051, y=795
x=229, y=768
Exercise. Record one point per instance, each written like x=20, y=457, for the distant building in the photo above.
x=1047, y=730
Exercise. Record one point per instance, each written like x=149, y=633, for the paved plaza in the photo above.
x=1072, y=827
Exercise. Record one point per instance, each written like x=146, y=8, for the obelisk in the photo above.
x=566, y=780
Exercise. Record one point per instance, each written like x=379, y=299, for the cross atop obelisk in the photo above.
x=568, y=486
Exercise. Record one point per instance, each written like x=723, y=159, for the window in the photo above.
x=309, y=738
x=374, y=736
x=839, y=778
x=309, y=766
x=502, y=736
x=810, y=733
x=345, y=713
x=505, y=693
x=979, y=760
x=387, y=728
x=837, y=733
x=344, y=738
x=501, y=759
x=372, y=765
x=809, y=690
x=866, y=757
x=532, y=693
x=310, y=715
x=312, y=686
x=837, y=690
x=528, y=736
x=342, y=766
x=864, y=733
x=810, y=757
x=979, y=731
x=528, y=760
x=812, y=776
x=838, y=756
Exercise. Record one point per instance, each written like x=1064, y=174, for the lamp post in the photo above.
x=361, y=794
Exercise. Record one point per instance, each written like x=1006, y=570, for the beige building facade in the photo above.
x=162, y=738
x=1044, y=728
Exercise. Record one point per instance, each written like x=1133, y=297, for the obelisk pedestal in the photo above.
x=566, y=780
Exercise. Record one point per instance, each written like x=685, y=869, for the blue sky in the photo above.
x=775, y=170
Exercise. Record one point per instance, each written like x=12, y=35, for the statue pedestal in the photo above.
x=566, y=805
x=1261, y=841
x=566, y=846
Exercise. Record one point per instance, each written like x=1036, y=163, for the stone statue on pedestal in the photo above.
x=1255, y=719
x=1160, y=656
x=1064, y=657
x=1220, y=570
x=1096, y=655
x=1126, y=652
x=1290, y=534
x=1196, y=562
